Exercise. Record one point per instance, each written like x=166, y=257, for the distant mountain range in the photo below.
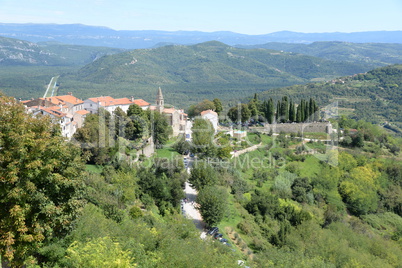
x=101, y=36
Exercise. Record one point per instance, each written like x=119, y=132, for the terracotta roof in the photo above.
x=54, y=111
x=123, y=101
x=102, y=99
x=69, y=99
x=208, y=112
x=109, y=101
x=53, y=100
x=82, y=112
x=141, y=102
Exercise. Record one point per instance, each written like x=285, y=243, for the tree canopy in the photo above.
x=40, y=182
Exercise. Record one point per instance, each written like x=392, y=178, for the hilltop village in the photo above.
x=70, y=112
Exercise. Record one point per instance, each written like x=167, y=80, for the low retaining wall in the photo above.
x=325, y=127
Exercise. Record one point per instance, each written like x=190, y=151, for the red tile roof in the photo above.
x=141, y=102
x=208, y=112
x=82, y=112
x=109, y=101
x=69, y=99
x=54, y=111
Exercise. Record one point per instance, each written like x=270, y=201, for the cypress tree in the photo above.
x=298, y=114
x=316, y=112
x=278, y=111
x=306, y=111
x=271, y=111
x=292, y=116
x=284, y=109
x=311, y=109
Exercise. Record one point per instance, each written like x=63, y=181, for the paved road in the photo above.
x=191, y=212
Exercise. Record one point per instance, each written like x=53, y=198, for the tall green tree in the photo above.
x=218, y=105
x=213, y=204
x=159, y=127
x=195, y=110
x=269, y=111
x=202, y=174
x=284, y=109
x=134, y=109
x=239, y=113
x=292, y=113
x=40, y=182
x=95, y=137
x=278, y=111
x=203, y=138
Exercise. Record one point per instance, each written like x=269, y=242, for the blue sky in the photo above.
x=249, y=17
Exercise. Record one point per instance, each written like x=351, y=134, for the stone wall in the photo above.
x=147, y=150
x=325, y=127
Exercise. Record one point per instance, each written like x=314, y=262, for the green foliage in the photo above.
x=159, y=127
x=213, y=203
x=195, y=110
x=218, y=105
x=203, y=137
x=240, y=113
x=360, y=191
x=41, y=182
x=202, y=174
x=101, y=252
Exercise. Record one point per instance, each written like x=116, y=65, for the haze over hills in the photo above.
x=102, y=36
x=371, y=54
x=18, y=52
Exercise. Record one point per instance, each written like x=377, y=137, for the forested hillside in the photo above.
x=368, y=54
x=375, y=96
x=192, y=73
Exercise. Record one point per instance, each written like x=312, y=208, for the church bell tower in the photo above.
x=159, y=101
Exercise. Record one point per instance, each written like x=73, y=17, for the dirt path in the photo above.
x=249, y=149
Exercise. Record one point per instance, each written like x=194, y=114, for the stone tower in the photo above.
x=159, y=101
